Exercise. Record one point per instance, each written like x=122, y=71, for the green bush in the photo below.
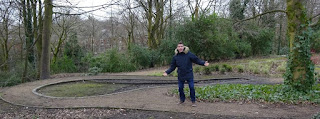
x=212, y=68
x=207, y=71
x=14, y=76
x=260, y=39
x=94, y=70
x=243, y=49
x=315, y=41
x=222, y=70
x=63, y=65
x=224, y=65
x=75, y=52
x=240, y=68
x=209, y=37
x=144, y=57
x=227, y=67
x=166, y=48
x=111, y=61
x=284, y=50
x=9, y=79
x=197, y=69
x=118, y=62
x=217, y=67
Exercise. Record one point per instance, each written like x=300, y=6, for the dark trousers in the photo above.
x=191, y=87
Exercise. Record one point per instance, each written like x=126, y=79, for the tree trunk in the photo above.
x=29, y=33
x=149, y=17
x=4, y=45
x=45, y=57
x=29, y=58
x=39, y=39
x=300, y=69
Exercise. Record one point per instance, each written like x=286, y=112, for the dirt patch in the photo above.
x=11, y=111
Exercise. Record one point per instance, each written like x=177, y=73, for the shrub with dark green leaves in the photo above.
x=144, y=57
x=197, y=69
x=243, y=49
x=240, y=68
x=209, y=37
x=315, y=41
x=9, y=79
x=112, y=61
x=222, y=70
x=94, y=70
x=64, y=64
x=212, y=68
x=227, y=67
x=259, y=38
x=217, y=67
x=14, y=76
x=166, y=50
x=207, y=71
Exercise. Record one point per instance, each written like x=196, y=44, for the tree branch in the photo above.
x=315, y=16
x=268, y=12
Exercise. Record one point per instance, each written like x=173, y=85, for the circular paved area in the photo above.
x=154, y=98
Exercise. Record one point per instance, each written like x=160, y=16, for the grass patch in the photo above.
x=248, y=92
x=173, y=73
x=156, y=74
x=80, y=89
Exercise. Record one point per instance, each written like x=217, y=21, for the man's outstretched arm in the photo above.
x=198, y=61
x=172, y=67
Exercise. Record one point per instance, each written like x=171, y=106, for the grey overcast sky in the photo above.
x=106, y=12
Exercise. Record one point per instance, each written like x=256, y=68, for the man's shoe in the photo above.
x=193, y=104
x=180, y=102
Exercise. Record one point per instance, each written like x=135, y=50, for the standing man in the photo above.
x=183, y=60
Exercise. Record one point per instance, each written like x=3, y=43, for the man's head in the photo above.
x=180, y=46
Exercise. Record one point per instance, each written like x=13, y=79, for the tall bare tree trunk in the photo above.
x=29, y=58
x=39, y=39
x=45, y=57
x=4, y=44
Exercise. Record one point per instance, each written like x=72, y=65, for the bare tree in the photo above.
x=155, y=20
x=62, y=27
x=6, y=25
x=45, y=57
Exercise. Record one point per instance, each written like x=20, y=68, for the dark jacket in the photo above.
x=183, y=61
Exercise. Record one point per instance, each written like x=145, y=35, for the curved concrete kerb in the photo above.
x=155, y=83
x=35, y=90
